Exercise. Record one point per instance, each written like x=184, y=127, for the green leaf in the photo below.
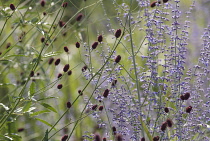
x=34, y=20
x=39, y=112
x=46, y=135
x=43, y=121
x=49, y=107
x=32, y=89
x=145, y=129
x=26, y=107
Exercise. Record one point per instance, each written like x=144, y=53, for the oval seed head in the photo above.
x=79, y=17
x=182, y=97
x=51, y=61
x=42, y=3
x=169, y=122
x=156, y=138
x=188, y=109
x=42, y=39
x=164, y=1
x=32, y=74
x=114, y=130
x=94, y=45
x=100, y=38
x=153, y=4
x=118, y=33
x=77, y=44
x=117, y=59
x=59, y=86
x=166, y=109
x=64, y=138
x=94, y=107
x=12, y=7
x=66, y=68
x=64, y=4
x=101, y=108
x=142, y=139
x=61, y=23
x=104, y=139
x=68, y=104
x=59, y=75
x=119, y=137
x=163, y=126
x=69, y=72
x=66, y=49
x=106, y=93
x=57, y=62
x=84, y=68
x=186, y=96
x=97, y=137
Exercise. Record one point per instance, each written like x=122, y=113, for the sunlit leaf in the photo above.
x=49, y=107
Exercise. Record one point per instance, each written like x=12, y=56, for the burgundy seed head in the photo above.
x=20, y=129
x=79, y=17
x=69, y=72
x=66, y=68
x=106, y=93
x=77, y=44
x=37, y=73
x=94, y=45
x=100, y=38
x=114, y=82
x=64, y=4
x=68, y=104
x=114, y=130
x=42, y=39
x=101, y=108
x=118, y=33
x=66, y=49
x=61, y=23
x=44, y=13
x=166, y=109
x=169, y=122
x=59, y=75
x=153, y=4
x=142, y=139
x=97, y=137
x=188, y=109
x=12, y=7
x=117, y=59
x=57, y=62
x=8, y=45
x=156, y=138
x=59, y=86
x=84, y=68
x=42, y=3
x=104, y=139
x=119, y=137
x=94, y=107
x=51, y=61
x=80, y=92
x=64, y=138
x=182, y=97
x=163, y=126
x=32, y=74
x=186, y=96
x=164, y=1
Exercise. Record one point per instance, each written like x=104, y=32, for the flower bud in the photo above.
x=51, y=61
x=106, y=93
x=188, y=109
x=79, y=17
x=59, y=86
x=64, y=138
x=117, y=59
x=66, y=68
x=94, y=45
x=57, y=62
x=12, y=7
x=100, y=38
x=77, y=44
x=66, y=49
x=68, y=104
x=118, y=33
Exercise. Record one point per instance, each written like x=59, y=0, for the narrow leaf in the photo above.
x=49, y=107
x=145, y=129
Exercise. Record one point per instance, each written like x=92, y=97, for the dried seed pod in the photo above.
x=94, y=45
x=163, y=126
x=77, y=44
x=142, y=139
x=79, y=17
x=97, y=137
x=57, y=62
x=84, y=68
x=69, y=72
x=188, y=109
x=117, y=59
x=64, y=138
x=42, y=3
x=101, y=108
x=66, y=68
x=12, y=7
x=186, y=96
x=118, y=33
x=59, y=75
x=42, y=39
x=64, y=4
x=66, y=49
x=169, y=122
x=51, y=61
x=94, y=107
x=68, y=104
x=166, y=109
x=59, y=86
x=100, y=38
x=106, y=93
x=119, y=137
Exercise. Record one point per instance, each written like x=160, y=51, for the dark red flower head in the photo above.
x=64, y=138
x=114, y=82
x=79, y=17
x=118, y=33
x=97, y=137
x=12, y=7
x=66, y=49
x=100, y=38
x=101, y=108
x=188, y=109
x=94, y=45
x=186, y=96
x=119, y=137
x=166, y=109
x=68, y=104
x=66, y=68
x=42, y=3
x=163, y=126
x=64, y=4
x=84, y=68
x=77, y=44
x=117, y=59
x=59, y=86
x=142, y=139
x=94, y=107
x=164, y=1
x=106, y=93
x=51, y=61
x=169, y=122
x=57, y=62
